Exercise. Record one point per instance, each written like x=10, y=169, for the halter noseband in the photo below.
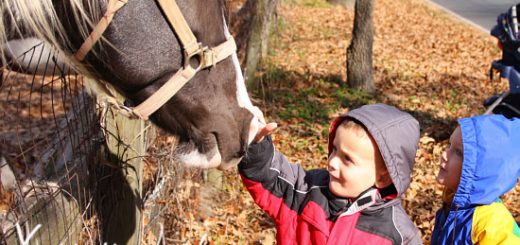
x=206, y=56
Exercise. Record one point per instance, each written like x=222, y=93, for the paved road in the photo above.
x=481, y=12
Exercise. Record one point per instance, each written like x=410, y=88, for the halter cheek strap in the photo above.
x=206, y=56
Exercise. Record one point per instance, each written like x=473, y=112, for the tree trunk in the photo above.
x=252, y=25
x=359, y=53
x=349, y=4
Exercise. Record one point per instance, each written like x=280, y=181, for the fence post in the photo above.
x=121, y=203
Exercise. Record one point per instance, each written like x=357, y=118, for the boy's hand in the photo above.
x=264, y=128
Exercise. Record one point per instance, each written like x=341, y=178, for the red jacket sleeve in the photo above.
x=277, y=186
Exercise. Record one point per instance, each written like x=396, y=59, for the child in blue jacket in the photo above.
x=481, y=164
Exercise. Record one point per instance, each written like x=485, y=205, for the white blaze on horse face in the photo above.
x=244, y=101
x=242, y=96
x=199, y=160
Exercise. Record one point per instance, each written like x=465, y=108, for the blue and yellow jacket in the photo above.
x=491, y=167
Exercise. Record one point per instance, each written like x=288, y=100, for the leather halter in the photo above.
x=193, y=49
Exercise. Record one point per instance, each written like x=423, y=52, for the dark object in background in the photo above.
x=509, y=106
x=506, y=31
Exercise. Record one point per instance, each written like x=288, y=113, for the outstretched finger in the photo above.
x=268, y=129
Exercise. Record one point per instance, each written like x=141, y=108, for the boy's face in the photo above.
x=353, y=162
x=451, y=162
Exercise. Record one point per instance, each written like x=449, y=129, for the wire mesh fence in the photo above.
x=49, y=150
x=71, y=167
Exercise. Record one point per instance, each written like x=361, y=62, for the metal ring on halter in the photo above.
x=199, y=55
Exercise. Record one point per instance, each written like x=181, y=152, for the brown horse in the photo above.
x=139, y=51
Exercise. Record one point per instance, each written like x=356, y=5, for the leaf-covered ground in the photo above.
x=425, y=62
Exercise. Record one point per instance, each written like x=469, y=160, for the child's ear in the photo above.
x=383, y=179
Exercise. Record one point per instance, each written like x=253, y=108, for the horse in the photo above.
x=139, y=50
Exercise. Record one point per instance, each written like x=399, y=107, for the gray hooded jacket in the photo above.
x=304, y=209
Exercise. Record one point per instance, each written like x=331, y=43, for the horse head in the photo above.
x=212, y=114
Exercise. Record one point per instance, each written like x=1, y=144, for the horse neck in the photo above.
x=205, y=19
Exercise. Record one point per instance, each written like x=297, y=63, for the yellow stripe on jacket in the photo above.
x=493, y=224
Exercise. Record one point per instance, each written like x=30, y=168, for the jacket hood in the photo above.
x=490, y=166
x=396, y=134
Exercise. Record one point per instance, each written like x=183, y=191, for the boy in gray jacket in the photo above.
x=356, y=200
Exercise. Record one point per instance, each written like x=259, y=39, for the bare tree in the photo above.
x=359, y=53
x=252, y=25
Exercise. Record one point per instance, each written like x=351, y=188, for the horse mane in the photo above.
x=30, y=18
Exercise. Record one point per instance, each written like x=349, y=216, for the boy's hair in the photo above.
x=357, y=127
